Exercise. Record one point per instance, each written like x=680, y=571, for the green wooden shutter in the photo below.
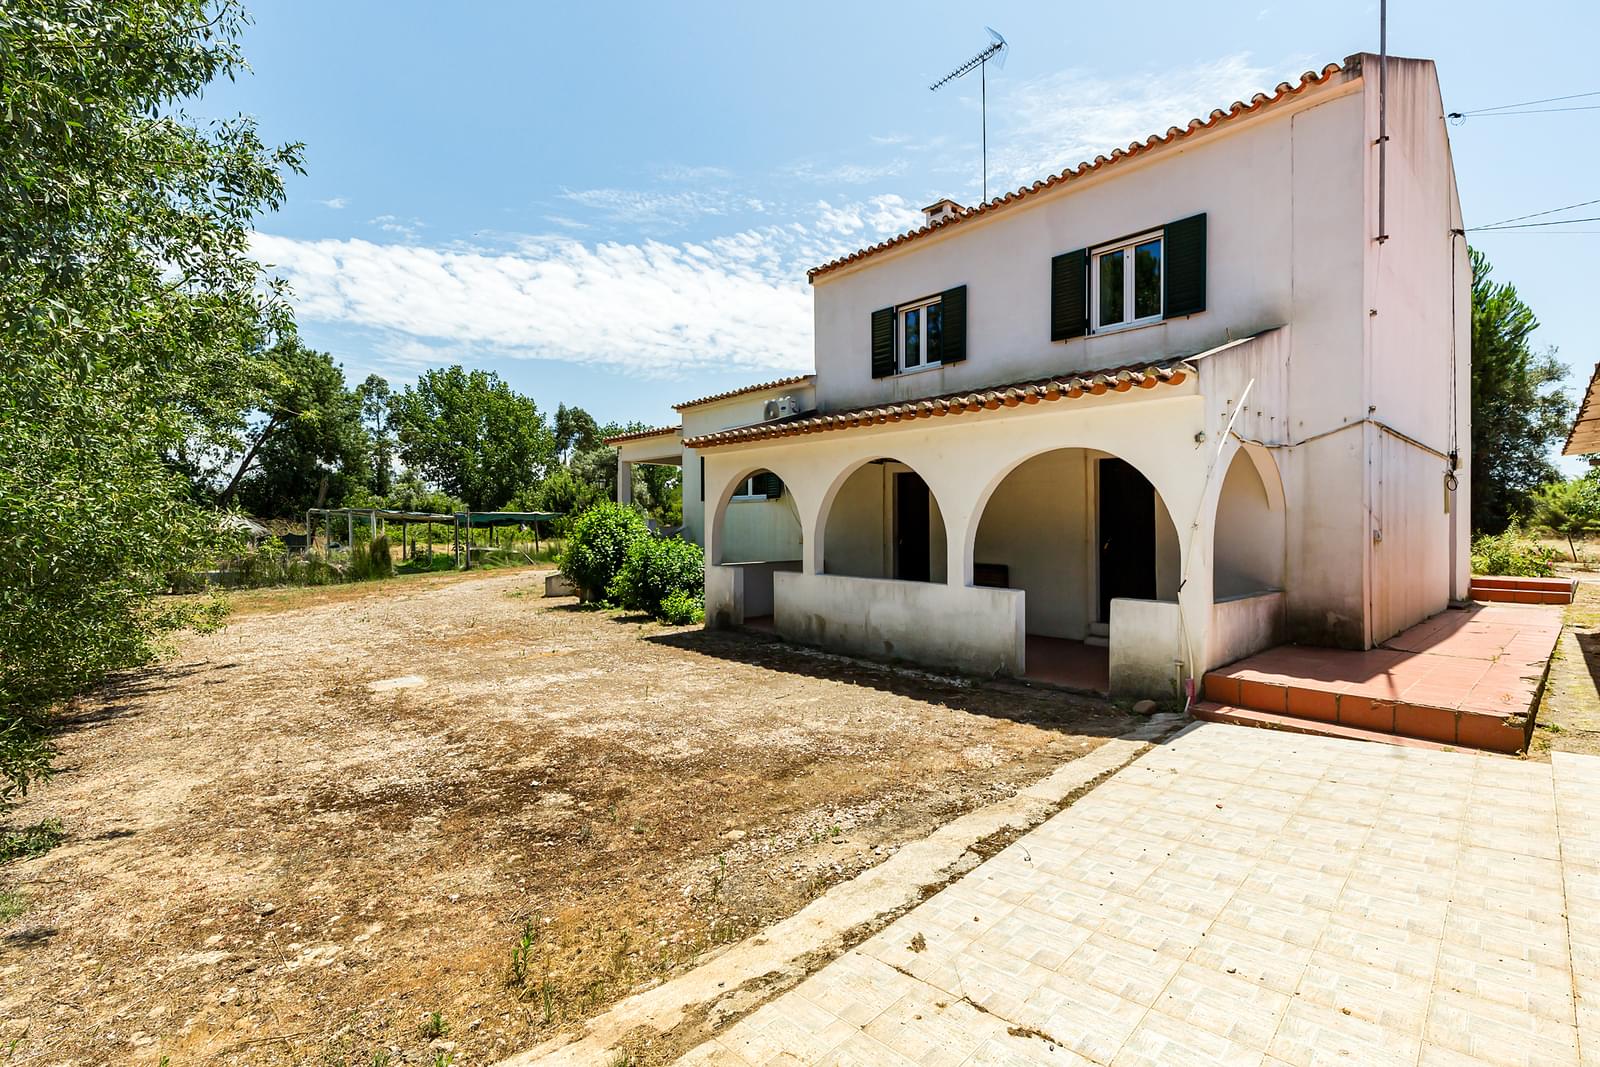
x=1069, y=295
x=769, y=485
x=883, y=343
x=1183, y=250
x=953, y=324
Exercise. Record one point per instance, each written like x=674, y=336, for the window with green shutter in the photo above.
x=1185, y=274
x=1069, y=295
x=923, y=333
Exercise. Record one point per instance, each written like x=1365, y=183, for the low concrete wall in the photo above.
x=1241, y=625
x=971, y=629
x=1146, y=648
x=724, y=596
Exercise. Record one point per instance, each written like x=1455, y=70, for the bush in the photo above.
x=682, y=608
x=1511, y=554
x=598, y=545
x=656, y=568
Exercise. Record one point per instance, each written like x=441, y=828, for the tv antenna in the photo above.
x=996, y=51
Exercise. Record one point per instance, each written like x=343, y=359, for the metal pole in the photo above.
x=983, y=79
x=1383, y=118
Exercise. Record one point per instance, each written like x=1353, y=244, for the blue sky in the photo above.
x=614, y=205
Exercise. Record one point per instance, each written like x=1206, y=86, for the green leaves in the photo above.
x=1518, y=409
x=472, y=436
x=131, y=320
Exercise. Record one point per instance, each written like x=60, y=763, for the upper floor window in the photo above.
x=921, y=328
x=1126, y=282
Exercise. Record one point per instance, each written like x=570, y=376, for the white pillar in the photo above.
x=624, y=480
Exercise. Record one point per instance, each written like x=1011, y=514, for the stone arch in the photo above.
x=861, y=525
x=1248, y=535
x=720, y=548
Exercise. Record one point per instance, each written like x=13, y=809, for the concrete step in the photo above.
x=1309, y=703
x=1097, y=641
x=1210, y=711
x=1099, y=629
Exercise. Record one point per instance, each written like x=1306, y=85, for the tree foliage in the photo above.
x=471, y=435
x=1518, y=409
x=1569, y=509
x=129, y=313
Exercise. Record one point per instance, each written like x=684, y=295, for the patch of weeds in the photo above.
x=12, y=904
x=918, y=943
x=521, y=957
x=443, y=1059
x=33, y=840
x=433, y=1026
x=380, y=1058
x=623, y=1058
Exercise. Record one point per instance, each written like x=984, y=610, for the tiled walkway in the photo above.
x=1242, y=896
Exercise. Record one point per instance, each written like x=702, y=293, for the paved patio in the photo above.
x=1242, y=896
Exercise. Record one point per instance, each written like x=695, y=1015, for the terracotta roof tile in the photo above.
x=1239, y=108
x=1584, y=437
x=714, y=397
x=635, y=435
x=1069, y=386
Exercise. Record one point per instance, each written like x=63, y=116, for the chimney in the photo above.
x=940, y=210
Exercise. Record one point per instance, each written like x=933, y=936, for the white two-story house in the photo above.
x=1205, y=394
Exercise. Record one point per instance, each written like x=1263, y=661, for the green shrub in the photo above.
x=1511, y=554
x=682, y=608
x=655, y=568
x=598, y=545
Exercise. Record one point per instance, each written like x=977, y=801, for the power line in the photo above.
x=1536, y=214
x=1533, y=225
x=1525, y=103
x=1533, y=111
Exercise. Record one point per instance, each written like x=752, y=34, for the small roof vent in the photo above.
x=940, y=210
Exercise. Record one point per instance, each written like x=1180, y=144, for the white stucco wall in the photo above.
x=858, y=538
x=720, y=415
x=1282, y=198
x=1242, y=625
x=1040, y=524
x=759, y=530
x=1249, y=534
x=975, y=630
x=1148, y=657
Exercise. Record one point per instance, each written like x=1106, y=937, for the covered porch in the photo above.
x=1103, y=545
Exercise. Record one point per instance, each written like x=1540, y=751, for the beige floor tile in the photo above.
x=1252, y=955
x=1162, y=1041
x=1312, y=1034
x=1376, y=994
x=933, y=1030
x=1244, y=1012
x=1132, y=972
x=1498, y=1034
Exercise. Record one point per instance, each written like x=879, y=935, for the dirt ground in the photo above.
x=358, y=806
x=1569, y=710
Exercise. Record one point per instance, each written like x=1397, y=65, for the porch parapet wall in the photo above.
x=1147, y=648
x=974, y=629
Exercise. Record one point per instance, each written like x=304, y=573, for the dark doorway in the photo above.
x=1127, y=535
x=911, y=555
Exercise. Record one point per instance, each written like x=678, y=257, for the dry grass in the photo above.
x=360, y=805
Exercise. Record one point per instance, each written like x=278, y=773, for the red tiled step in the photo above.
x=1523, y=590
x=1460, y=727
x=1209, y=711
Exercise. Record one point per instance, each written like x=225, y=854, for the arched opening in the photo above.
x=1248, y=539
x=758, y=533
x=1075, y=529
x=884, y=522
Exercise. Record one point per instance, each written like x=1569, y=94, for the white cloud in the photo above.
x=847, y=173
x=407, y=228
x=1060, y=120
x=653, y=308
x=335, y=202
x=681, y=173
x=643, y=207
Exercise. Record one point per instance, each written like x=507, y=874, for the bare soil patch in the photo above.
x=347, y=811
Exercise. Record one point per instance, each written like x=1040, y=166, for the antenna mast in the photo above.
x=997, y=51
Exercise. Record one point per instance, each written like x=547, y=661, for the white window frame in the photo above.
x=1126, y=247
x=900, y=336
x=747, y=488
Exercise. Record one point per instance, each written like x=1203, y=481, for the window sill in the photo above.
x=917, y=370
x=1124, y=327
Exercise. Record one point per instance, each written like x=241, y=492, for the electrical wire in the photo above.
x=1537, y=214
x=1534, y=225
x=1505, y=109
